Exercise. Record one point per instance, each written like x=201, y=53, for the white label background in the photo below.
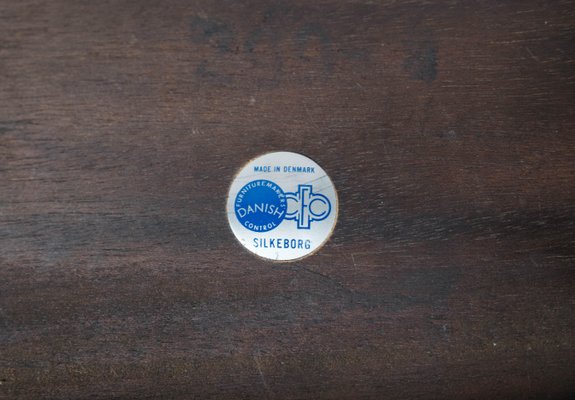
x=319, y=231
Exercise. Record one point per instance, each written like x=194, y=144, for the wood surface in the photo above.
x=446, y=126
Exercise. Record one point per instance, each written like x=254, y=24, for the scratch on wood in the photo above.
x=262, y=376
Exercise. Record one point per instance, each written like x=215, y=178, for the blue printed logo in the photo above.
x=260, y=206
x=307, y=206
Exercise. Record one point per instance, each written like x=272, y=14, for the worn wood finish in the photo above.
x=447, y=128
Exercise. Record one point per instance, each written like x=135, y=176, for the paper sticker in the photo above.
x=282, y=206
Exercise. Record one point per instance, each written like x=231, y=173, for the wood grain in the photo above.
x=446, y=126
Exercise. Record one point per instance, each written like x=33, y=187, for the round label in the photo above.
x=282, y=206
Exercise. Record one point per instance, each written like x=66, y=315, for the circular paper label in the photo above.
x=282, y=206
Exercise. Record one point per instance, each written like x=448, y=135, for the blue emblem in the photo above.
x=260, y=206
x=307, y=206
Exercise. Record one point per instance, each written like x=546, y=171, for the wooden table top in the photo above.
x=447, y=128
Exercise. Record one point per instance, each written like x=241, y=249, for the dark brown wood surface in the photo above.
x=447, y=127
